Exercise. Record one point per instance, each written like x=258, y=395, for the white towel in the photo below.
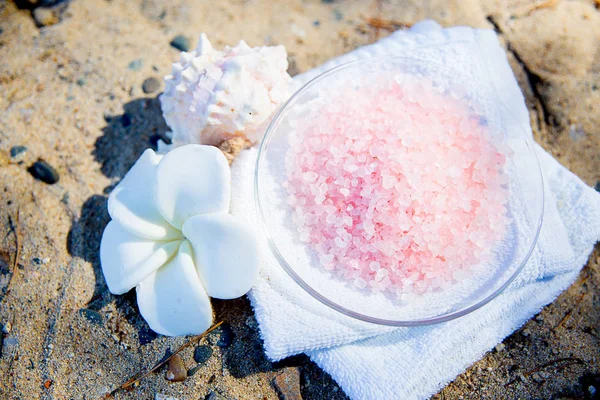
x=378, y=362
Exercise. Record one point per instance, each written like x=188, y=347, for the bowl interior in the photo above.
x=508, y=254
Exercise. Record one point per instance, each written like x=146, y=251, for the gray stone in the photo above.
x=288, y=384
x=192, y=371
x=150, y=85
x=17, y=151
x=202, y=354
x=212, y=395
x=44, y=172
x=136, y=65
x=180, y=43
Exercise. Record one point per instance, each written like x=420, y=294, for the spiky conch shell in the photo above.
x=212, y=96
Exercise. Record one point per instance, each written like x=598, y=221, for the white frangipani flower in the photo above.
x=171, y=236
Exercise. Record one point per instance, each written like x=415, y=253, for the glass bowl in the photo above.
x=509, y=253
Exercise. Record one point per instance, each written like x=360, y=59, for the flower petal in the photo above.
x=131, y=203
x=172, y=300
x=192, y=180
x=128, y=259
x=226, y=254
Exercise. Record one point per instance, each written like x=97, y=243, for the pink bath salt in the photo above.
x=397, y=188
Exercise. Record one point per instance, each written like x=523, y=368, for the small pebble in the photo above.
x=214, y=396
x=6, y=328
x=150, y=85
x=181, y=43
x=590, y=383
x=45, y=260
x=192, y=371
x=288, y=384
x=226, y=337
x=81, y=81
x=202, y=354
x=92, y=316
x=44, y=172
x=136, y=65
x=45, y=16
x=499, y=347
x=17, y=150
x=176, y=371
x=316, y=22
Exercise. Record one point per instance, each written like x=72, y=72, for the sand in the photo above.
x=72, y=94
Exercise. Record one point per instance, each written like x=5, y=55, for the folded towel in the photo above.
x=380, y=362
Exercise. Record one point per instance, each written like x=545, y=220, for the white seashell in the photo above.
x=212, y=96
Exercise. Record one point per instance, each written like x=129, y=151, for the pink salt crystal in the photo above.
x=310, y=176
x=401, y=189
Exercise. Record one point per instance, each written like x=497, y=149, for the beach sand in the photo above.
x=72, y=94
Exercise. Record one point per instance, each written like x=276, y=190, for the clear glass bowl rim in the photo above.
x=323, y=299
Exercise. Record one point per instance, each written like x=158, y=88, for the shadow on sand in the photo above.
x=124, y=139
